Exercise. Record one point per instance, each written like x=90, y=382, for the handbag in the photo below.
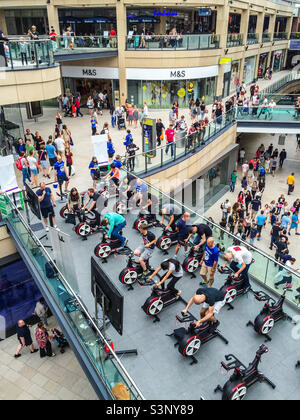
x=71, y=141
x=72, y=170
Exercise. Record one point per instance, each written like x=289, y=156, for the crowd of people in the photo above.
x=250, y=219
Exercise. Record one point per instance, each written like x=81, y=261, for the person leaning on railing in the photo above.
x=3, y=39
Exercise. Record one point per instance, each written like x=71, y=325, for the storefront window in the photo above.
x=234, y=23
x=163, y=93
x=235, y=75
x=11, y=124
x=249, y=69
x=88, y=21
x=262, y=66
x=18, y=21
x=277, y=60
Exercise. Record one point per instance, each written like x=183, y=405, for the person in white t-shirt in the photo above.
x=242, y=155
x=245, y=168
x=33, y=165
x=240, y=260
x=272, y=105
x=60, y=146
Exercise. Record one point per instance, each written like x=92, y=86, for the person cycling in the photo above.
x=114, y=175
x=174, y=274
x=96, y=203
x=149, y=205
x=239, y=255
x=213, y=301
x=203, y=232
x=126, y=189
x=145, y=251
x=182, y=228
x=139, y=189
x=73, y=202
x=174, y=212
x=116, y=223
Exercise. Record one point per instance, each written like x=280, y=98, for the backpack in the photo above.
x=19, y=164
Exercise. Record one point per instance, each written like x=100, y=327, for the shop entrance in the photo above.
x=86, y=87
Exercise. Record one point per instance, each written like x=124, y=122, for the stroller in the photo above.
x=68, y=112
x=121, y=122
x=59, y=339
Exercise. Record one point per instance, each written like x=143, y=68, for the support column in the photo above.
x=272, y=26
x=52, y=12
x=3, y=26
x=220, y=81
x=245, y=24
x=289, y=25
x=121, y=36
x=260, y=25
x=222, y=25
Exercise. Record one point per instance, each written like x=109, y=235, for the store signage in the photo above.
x=164, y=13
x=204, y=12
x=177, y=74
x=295, y=44
x=225, y=60
x=90, y=72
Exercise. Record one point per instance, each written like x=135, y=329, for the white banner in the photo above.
x=63, y=256
x=8, y=180
x=172, y=73
x=77, y=72
x=100, y=147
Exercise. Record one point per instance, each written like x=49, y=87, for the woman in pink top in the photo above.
x=130, y=114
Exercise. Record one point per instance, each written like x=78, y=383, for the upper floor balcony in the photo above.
x=252, y=39
x=172, y=42
x=69, y=47
x=26, y=54
x=280, y=36
x=234, y=40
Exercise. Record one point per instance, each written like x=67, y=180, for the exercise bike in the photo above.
x=192, y=262
x=85, y=227
x=64, y=211
x=133, y=272
x=189, y=340
x=109, y=246
x=243, y=377
x=166, y=240
x=159, y=300
x=271, y=313
x=150, y=219
x=233, y=287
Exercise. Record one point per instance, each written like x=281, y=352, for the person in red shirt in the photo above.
x=52, y=36
x=77, y=106
x=113, y=38
x=170, y=134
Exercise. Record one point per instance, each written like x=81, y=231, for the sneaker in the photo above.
x=17, y=355
x=34, y=351
x=125, y=244
x=203, y=283
x=57, y=228
x=247, y=290
x=47, y=229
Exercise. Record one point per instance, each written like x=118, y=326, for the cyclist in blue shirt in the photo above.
x=209, y=262
x=95, y=173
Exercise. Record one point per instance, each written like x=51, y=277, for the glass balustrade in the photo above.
x=276, y=86
x=266, y=113
x=26, y=54
x=184, y=145
x=167, y=42
x=280, y=36
x=295, y=35
x=79, y=44
x=234, y=40
x=109, y=369
x=265, y=269
x=252, y=39
x=266, y=37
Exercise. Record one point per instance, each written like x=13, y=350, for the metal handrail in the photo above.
x=78, y=300
x=269, y=257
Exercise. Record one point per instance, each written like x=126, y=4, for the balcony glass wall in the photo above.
x=27, y=54
x=167, y=42
x=89, y=337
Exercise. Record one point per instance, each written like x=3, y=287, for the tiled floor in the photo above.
x=31, y=378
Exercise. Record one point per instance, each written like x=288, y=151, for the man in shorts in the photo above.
x=209, y=262
x=213, y=301
x=52, y=154
x=145, y=251
x=240, y=260
x=47, y=201
x=60, y=173
x=96, y=203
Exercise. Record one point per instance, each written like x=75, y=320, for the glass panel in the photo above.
x=109, y=369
